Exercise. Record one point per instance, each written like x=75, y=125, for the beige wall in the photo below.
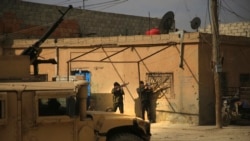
x=190, y=101
x=182, y=100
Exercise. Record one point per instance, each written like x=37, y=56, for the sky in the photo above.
x=184, y=10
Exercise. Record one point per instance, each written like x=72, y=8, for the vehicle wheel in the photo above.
x=225, y=119
x=125, y=137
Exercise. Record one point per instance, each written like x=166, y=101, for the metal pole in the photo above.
x=216, y=61
x=83, y=4
x=139, y=72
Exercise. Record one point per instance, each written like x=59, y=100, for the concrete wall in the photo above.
x=191, y=99
x=30, y=20
x=182, y=100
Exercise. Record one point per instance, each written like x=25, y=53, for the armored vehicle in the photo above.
x=56, y=111
x=32, y=109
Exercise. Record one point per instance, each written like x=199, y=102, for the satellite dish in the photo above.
x=167, y=22
x=195, y=23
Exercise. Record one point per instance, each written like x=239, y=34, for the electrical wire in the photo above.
x=207, y=14
x=62, y=2
x=187, y=9
x=108, y=5
x=69, y=2
x=225, y=6
x=14, y=34
x=176, y=10
x=219, y=9
x=242, y=6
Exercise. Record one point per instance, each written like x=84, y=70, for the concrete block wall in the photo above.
x=233, y=29
x=20, y=19
x=27, y=20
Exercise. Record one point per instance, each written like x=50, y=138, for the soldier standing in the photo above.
x=118, y=93
x=145, y=93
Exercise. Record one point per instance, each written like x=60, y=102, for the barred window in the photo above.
x=163, y=87
x=162, y=83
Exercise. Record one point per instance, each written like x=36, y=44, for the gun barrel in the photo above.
x=52, y=28
x=33, y=51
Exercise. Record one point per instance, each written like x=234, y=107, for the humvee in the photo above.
x=56, y=111
x=34, y=109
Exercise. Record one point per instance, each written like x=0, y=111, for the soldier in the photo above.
x=145, y=92
x=118, y=93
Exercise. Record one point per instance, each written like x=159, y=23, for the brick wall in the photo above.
x=234, y=29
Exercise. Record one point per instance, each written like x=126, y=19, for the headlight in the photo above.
x=144, y=125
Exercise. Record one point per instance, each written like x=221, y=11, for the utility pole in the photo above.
x=83, y=4
x=217, y=66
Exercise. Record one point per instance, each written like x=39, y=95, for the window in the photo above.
x=56, y=104
x=162, y=83
x=245, y=79
x=3, y=107
x=163, y=87
x=52, y=106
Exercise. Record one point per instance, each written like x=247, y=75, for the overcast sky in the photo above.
x=184, y=10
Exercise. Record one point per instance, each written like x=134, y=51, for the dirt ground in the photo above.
x=164, y=131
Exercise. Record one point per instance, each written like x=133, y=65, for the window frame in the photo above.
x=4, y=108
x=52, y=94
x=169, y=93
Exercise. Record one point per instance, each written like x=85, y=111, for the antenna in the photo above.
x=167, y=23
x=195, y=23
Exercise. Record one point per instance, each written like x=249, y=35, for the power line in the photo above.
x=241, y=5
x=187, y=9
x=14, y=34
x=225, y=6
x=105, y=4
x=207, y=15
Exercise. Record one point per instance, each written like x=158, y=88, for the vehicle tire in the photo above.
x=225, y=119
x=125, y=137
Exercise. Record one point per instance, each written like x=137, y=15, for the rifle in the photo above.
x=122, y=85
x=125, y=84
x=34, y=50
